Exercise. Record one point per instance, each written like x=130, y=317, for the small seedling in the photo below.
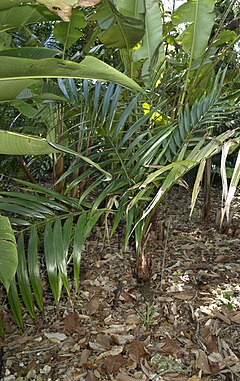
x=227, y=295
x=147, y=317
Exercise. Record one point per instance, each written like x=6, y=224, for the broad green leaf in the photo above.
x=224, y=37
x=200, y=16
x=33, y=267
x=8, y=252
x=6, y=4
x=67, y=33
x=10, y=90
x=12, y=143
x=133, y=8
x=22, y=277
x=30, y=52
x=13, y=68
x=118, y=31
x=151, y=50
x=18, y=16
x=5, y=41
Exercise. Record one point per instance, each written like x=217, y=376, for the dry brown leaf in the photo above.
x=136, y=351
x=93, y=305
x=170, y=347
x=84, y=357
x=91, y=376
x=104, y=341
x=23, y=338
x=63, y=8
x=194, y=378
x=72, y=323
x=200, y=265
x=122, y=339
x=96, y=347
x=235, y=318
x=222, y=317
x=183, y=295
x=209, y=340
x=222, y=259
x=113, y=363
x=118, y=328
x=32, y=365
x=189, y=246
x=170, y=376
x=125, y=296
x=202, y=362
x=125, y=377
x=114, y=351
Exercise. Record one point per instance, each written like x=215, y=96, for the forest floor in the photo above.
x=184, y=325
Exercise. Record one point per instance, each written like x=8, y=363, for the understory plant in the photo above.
x=112, y=154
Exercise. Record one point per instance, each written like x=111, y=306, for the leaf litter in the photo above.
x=184, y=327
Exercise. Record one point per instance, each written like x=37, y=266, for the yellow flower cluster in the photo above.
x=156, y=117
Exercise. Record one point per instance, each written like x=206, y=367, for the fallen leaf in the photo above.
x=170, y=376
x=55, y=336
x=170, y=347
x=183, y=295
x=222, y=259
x=23, y=339
x=96, y=347
x=84, y=357
x=72, y=322
x=92, y=306
x=189, y=246
x=125, y=377
x=194, y=378
x=202, y=362
x=235, y=318
x=120, y=328
x=91, y=376
x=222, y=317
x=136, y=351
x=114, y=351
x=122, y=339
x=113, y=363
x=104, y=341
x=200, y=265
x=31, y=365
x=215, y=357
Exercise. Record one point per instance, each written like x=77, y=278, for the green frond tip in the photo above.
x=8, y=252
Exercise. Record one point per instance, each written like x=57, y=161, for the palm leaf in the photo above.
x=22, y=277
x=14, y=303
x=8, y=252
x=33, y=267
